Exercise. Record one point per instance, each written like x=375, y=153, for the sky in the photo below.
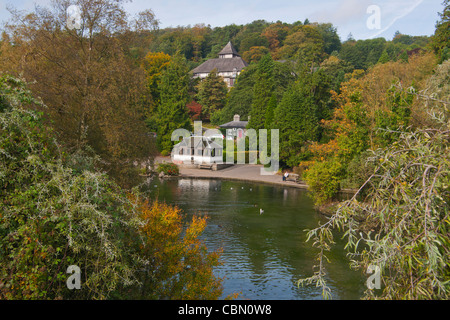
x=364, y=19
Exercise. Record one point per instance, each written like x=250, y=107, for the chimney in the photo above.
x=237, y=117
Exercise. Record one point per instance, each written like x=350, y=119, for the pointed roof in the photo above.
x=222, y=64
x=229, y=49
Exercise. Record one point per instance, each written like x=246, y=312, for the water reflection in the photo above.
x=263, y=254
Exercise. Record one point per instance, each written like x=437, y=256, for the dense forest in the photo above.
x=78, y=109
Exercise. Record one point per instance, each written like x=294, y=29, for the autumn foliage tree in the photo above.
x=179, y=264
x=255, y=54
x=275, y=35
x=371, y=107
x=305, y=44
x=87, y=77
x=154, y=64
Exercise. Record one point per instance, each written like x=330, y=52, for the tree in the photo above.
x=172, y=113
x=270, y=111
x=439, y=83
x=401, y=226
x=336, y=69
x=91, y=85
x=255, y=54
x=384, y=58
x=371, y=108
x=262, y=92
x=180, y=266
x=240, y=97
x=252, y=40
x=331, y=39
x=363, y=53
x=404, y=56
x=154, y=64
x=304, y=44
x=212, y=94
x=250, y=36
x=297, y=119
x=195, y=110
x=275, y=35
x=348, y=134
x=440, y=40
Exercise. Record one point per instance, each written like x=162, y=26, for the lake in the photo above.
x=265, y=254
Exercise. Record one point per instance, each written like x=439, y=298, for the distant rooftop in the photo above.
x=228, y=61
x=229, y=49
x=222, y=65
x=236, y=123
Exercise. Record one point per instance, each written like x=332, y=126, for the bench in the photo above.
x=293, y=177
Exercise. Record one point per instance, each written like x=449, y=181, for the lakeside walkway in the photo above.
x=241, y=172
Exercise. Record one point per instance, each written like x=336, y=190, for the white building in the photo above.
x=229, y=65
x=197, y=150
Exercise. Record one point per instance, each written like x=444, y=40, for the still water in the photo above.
x=265, y=254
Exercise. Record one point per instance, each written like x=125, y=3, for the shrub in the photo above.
x=169, y=169
x=181, y=266
x=359, y=170
x=323, y=180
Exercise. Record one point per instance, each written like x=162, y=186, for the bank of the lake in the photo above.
x=242, y=172
x=252, y=174
x=238, y=172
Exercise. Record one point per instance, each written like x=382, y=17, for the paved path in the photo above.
x=242, y=172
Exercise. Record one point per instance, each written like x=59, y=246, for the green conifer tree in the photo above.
x=404, y=56
x=384, y=58
x=212, y=94
x=270, y=112
x=172, y=112
x=297, y=119
x=262, y=93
